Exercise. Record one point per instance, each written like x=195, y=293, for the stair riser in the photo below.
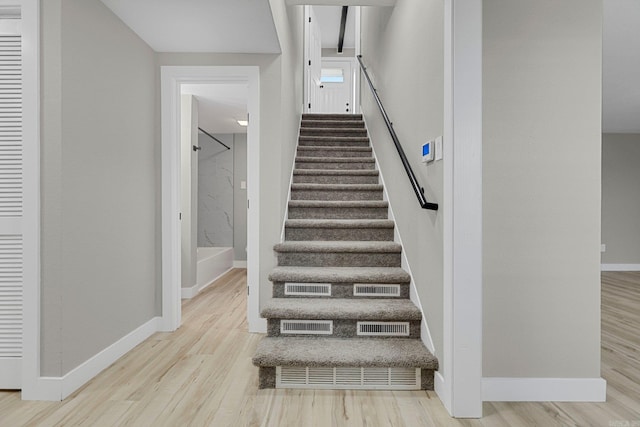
x=332, y=142
x=338, y=213
x=366, y=234
x=335, y=179
x=267, y=378
x=335, y=165
x=351, y=124
x=346, y=132
x=334, y=153
x=343, y=328
x=348, y=117
x=336, y=195
x=338, y=290
x=334, y=259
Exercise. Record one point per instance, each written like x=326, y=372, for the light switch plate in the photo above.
x=438, y=150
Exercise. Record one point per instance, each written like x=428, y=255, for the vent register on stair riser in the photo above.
x=341, y=315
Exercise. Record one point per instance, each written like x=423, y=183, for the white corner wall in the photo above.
x=541, y=197
x=189, y=188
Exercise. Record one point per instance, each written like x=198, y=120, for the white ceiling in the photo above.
x=329, y=18
x=621, y=66
x=220, y=106
x=236, y=26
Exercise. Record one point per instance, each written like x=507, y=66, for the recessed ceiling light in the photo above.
x=243, y=122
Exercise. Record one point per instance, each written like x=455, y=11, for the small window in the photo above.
x=332, y=75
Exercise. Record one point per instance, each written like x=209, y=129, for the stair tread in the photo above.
x=331, y=116
x=355, y=352
x=335, y=159
x=345, y=246
x=337, y=187
x=333, y=148
x=338, y=203
x=299, y=274
x=339, y=223
x=341, y=308
x=338, y=172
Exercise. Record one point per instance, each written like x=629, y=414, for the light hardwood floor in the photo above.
x=202, y=375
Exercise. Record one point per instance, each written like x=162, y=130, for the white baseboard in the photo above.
x=188, y=293
x=620, y=267
x=11, y=373
x=239, y=264
x=544, y=390
x=59, y=388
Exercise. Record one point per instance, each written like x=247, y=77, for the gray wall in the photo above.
x=239, y=196
x=215, y=191
x=621, y=198
x=189, y=189
x=280, y=111
x=99, y=162
x=541, y=187
x=402, y=48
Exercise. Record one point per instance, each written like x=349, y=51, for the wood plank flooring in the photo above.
x=202, y=375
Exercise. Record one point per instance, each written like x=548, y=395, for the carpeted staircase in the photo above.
x=341, y=317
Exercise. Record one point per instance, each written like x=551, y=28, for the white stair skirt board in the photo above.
x=383, y=329
x=375, y=290
x=188, y=293
x=347, y=378
x=59, y=388
x=308, y=289
x=620, y=267
x=544, y=390
x=307, y=327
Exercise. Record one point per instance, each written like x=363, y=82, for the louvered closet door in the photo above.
x=10, y=210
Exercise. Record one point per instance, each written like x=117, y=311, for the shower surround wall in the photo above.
x=221, y=198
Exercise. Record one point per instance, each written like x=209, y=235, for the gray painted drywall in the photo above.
x=280, y=111
x=413, y=96
x=621, y=198
x=239, y=196
x=99, y=183
x=333, y=53
x=188, y=189
x=215, y=191
x=541, y=187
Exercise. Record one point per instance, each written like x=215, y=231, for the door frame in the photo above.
x=172, y=77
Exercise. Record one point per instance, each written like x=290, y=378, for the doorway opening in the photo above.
x=177, y=81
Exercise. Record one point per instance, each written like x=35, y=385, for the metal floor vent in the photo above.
x=352, y=378
x=373, y=290
x=310, y=289
x=386, y=329
x=307, y=327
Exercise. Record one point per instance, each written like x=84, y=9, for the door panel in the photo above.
x=336, y=87
x=313, y=59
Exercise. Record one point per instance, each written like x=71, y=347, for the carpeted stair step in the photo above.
x=319, y=209
x=331, y=117
x=339, y=163
x=329, y=151
x=338, y=352
x=342, y=123
x=336, y=192
x=344, y=132
x=335, y=229
x=339, y=141
x=380, y=318
x=322, y=176
x=338, y=254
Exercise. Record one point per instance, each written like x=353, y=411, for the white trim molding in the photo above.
x=544, y=390
x=620, y=267
x=172, y=77
x=240, y=264
x=59, y=388
x=188, y=293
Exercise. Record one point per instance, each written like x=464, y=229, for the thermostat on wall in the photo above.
x=427, y=152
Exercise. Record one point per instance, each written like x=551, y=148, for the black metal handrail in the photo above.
x=214, y=138
x=407, y=167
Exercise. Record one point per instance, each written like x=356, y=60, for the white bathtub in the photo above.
x=212, y=263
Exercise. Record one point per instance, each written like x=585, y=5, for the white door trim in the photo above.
x=30, y=11
x=459, y=382
x=171, y=79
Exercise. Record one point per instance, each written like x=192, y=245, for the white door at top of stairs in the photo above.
x=336, y=93
x=11, y=203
